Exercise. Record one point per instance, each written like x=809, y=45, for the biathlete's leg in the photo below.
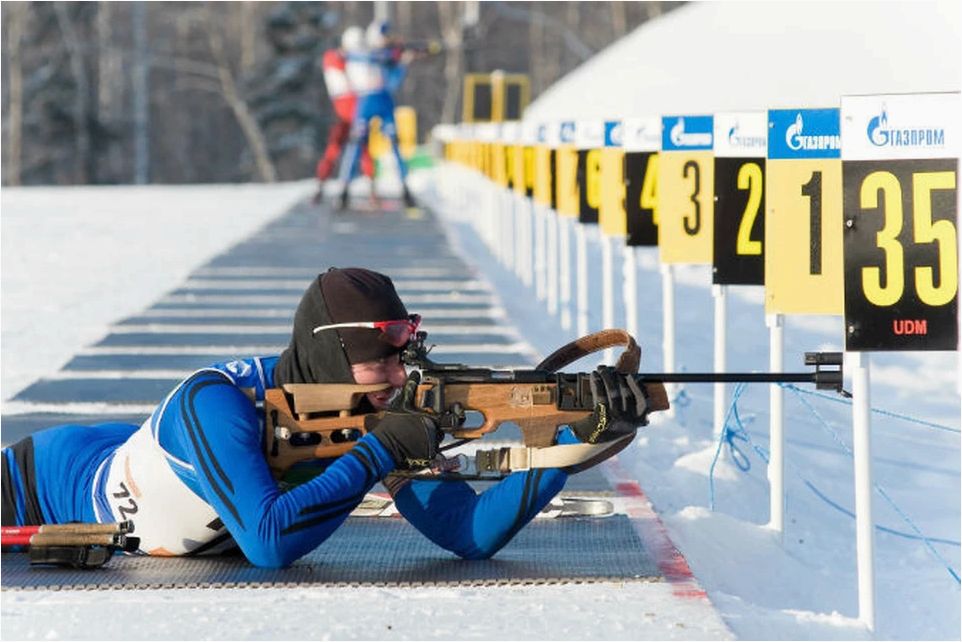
x=352, y=156
x=390, y=130
x=337, y=136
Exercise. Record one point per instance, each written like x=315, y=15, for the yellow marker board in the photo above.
x=685, y=206
x=803, y=213
x=566, y=169
x=611, y=211
x=543, y=169
x=686, y=189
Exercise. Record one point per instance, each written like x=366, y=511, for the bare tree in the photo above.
x=619, y=18
x=248, y=124
x=452, y=33
x=16, y=19
x=82, y=158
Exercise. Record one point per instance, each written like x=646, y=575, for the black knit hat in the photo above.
x=339, y=296
x=356, y=294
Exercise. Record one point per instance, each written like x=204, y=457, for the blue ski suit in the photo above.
x=194, y=479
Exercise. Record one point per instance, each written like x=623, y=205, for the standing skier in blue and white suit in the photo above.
x=194, y=477
x=376, y=74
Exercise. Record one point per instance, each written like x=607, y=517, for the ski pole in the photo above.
x=118, y=527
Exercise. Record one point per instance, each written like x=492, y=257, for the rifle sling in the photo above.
x=571, y=458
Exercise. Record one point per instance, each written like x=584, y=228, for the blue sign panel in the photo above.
x=613, y=133
x=567, y=133
x=687, y=133
x=804, y=133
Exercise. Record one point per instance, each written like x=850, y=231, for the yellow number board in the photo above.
x=566, y=171
x=543, y=170
x=803, y=213
x=685, y=189
x=611, y=211
x=900, y=173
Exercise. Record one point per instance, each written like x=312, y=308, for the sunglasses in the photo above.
x=396, y=333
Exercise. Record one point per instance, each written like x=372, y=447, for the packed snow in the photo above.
x=799, y=588
x=74, y=262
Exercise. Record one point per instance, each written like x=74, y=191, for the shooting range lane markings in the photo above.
x=305, y=275
x=428, y=314
x=297, y=285
x=291, y=301
x=14, y=407
x=265, y=350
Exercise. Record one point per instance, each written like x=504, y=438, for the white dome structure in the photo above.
x=728, y=56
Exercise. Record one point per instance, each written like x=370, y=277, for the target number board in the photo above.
x=685, y=189
x=900, y=179
x=641, y=138
x=741, y=144
x=803, y=213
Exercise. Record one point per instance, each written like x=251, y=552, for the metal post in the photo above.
x=862, y=452
x=668, y=324
x=581, y=257
x=507, y=228
x=565, y=271
x=527, y=263
x=552, y=231
x=630, y=290
x=607, y=289
x=776, y=430
x=540, y=288
x=719, y=292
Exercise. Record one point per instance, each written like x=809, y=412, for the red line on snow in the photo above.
x=672, y=564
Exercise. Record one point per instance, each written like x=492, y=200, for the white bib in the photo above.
x=141, y=486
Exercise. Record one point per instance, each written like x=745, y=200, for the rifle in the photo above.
x=318, y=421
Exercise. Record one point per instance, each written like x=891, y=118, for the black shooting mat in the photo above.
x=379, y=552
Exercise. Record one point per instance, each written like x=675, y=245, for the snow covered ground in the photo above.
x=801, y=588
x=75, y=259
x=802, y=585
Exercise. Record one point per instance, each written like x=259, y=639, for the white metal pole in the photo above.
x=539, y=253
x=668, y=325
x=565, y=271
x=607, y=289
x=862, y=452
x=581, y=257
x=528, y=246
x=507, y=227
x=630, y=290
x=776, y=430
x=517, y=206
x=552, y=231
x=720, y=292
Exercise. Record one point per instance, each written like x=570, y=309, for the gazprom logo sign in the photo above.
x=687, y=133
x=614, y=133
x=804, y=133
x=881, y=134
x=567, y=133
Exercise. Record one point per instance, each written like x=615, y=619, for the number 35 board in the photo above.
x=803, y=213
x=685, y=189
x=900, y=164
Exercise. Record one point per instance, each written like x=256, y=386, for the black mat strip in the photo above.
x=379, y=552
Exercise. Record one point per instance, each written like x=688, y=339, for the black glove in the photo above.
x=411, y=437
x=620, y=407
